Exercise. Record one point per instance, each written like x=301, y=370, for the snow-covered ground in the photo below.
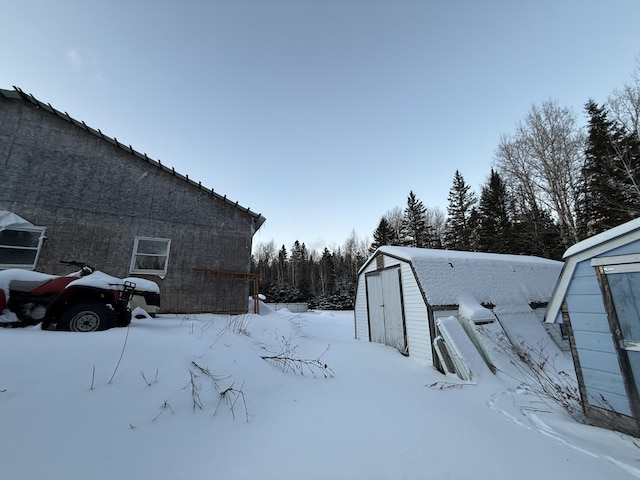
x=189, y=397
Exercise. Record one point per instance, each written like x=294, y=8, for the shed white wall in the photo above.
x=415, y=310
x=360, y=308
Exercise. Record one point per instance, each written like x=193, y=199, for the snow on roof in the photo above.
x=447, y=276
x=602, y=237
x=10, y=219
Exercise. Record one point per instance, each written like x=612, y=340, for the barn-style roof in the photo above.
x=447, y=276
x=588, y=248
x=19, y=94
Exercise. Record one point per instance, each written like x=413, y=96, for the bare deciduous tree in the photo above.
x=437, y=219
x=542, y=162
x=394, y=218
x=624, y=106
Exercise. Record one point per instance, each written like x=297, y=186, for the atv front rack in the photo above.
x=125, y=295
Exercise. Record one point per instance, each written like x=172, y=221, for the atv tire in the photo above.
x=87, y=317
x=123, y=318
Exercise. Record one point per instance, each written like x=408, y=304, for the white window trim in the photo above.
x=38, y=248
x=160, y=273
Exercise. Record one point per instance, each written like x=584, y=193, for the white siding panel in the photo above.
x=415, y=310
x=416, y=318
x=360, y=309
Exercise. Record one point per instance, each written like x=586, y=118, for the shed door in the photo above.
x=624, y=285
x=384, y=302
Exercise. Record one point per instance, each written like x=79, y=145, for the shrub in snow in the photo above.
x=288, y=361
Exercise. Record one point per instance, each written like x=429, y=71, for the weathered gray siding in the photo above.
x=95, y=198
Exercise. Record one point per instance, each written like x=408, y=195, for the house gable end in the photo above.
x=18, y=94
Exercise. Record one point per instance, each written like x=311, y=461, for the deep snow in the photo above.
x=65, y=414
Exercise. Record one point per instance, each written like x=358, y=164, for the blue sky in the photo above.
x=320, y=114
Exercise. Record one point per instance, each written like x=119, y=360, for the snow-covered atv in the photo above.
x=84, y=301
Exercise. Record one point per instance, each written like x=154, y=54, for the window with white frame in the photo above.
x=20, y=247
x=150, y=256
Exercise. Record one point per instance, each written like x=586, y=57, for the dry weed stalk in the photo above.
x=539, y=375
x=288, y=361
x=232, y=395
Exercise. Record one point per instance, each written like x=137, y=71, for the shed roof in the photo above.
x=18, y=94
x=446, y=276
x=602, y=238
x=589, y=248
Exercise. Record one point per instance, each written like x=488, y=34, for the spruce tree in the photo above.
x=300, y=277
x=383, y=235
x=414, y=226
x=536, y=233
x=459, y=228
x=495, y=226
x=610, y=178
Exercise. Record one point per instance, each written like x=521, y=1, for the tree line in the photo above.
x=552, y=184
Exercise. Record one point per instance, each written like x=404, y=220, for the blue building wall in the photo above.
x=594, y=342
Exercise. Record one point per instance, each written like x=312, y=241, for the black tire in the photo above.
x=123, y=318
x=87, y=317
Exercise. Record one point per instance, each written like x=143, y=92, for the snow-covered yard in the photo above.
x=149, y=402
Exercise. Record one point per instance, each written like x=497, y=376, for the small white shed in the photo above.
x=597, y=298
x=402, y=291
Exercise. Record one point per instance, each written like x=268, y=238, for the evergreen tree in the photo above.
x=300, y=277
x=326, y=273
x=495, y=226
x=536, y=233
x=459, y=228
x=610, y=174
x=414, y=226
x=383, y=235
x=281, y=267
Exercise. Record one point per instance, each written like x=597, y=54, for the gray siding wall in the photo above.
x=95, y=198
x=597, y=355
x=415, y=310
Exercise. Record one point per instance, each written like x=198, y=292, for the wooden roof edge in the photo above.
x=17, y=93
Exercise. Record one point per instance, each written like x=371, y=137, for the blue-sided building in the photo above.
x=597, y=298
